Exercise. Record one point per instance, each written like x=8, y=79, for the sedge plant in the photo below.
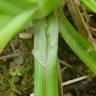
x=15, y=14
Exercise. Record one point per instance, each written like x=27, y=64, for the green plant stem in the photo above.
x=40, y=53
x=45, y=53
x=52, y=70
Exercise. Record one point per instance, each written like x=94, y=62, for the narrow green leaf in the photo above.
x=13, y=26
x=91, y=4
x=14, y=15
x=78, y=44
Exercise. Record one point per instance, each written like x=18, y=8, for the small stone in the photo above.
x=25, y=35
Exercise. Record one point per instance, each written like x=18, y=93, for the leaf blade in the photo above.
x=78, y=44
x=91, y=4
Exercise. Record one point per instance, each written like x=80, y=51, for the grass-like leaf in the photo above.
x=78, y=44
x=13, y=26
x=13, y=16
x=15, y=13
x=91, y=4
